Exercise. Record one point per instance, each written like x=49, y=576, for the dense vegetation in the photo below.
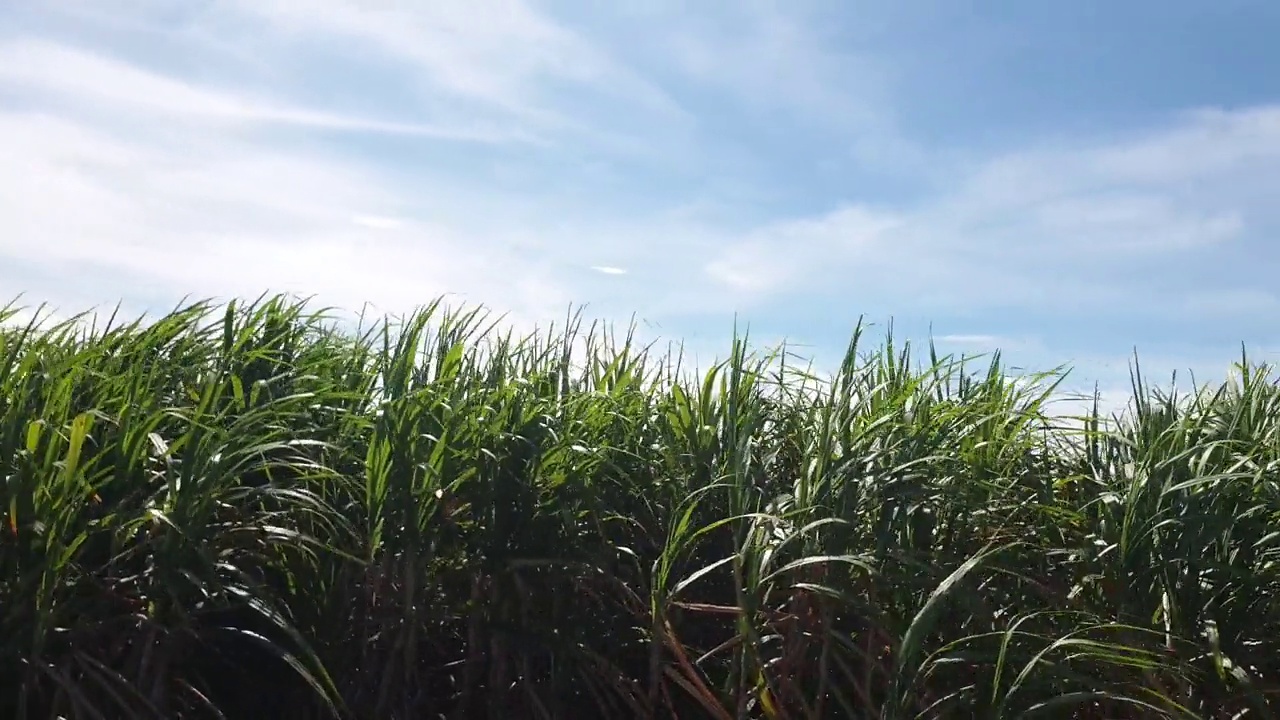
x=255, y=512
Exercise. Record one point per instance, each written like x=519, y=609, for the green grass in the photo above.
x=246, y=511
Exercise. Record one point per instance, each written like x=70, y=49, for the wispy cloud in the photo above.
x=43, y=68
x=124, y=177
x=1087, y=226
x=195, y=215
x=377, y=222
x=981, y=342
x=724, y=160
x=786, y=61
x=499, y=54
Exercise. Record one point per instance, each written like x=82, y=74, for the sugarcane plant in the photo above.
x=264, y=510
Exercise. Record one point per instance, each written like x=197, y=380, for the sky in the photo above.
x=1066, y=182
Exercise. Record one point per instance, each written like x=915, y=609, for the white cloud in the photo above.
x=1205, y=142
x=120, y=180
x=503, y=54
x=1038, y=228
x=376, y=222
x=781, y=60
x=47, y=68
x=970, y=339
x=127, y=175
x=212, y=216
x=802, y=253
x=983, y=342
x=1225, y=302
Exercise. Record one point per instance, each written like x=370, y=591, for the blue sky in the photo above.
x=1062, y=180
